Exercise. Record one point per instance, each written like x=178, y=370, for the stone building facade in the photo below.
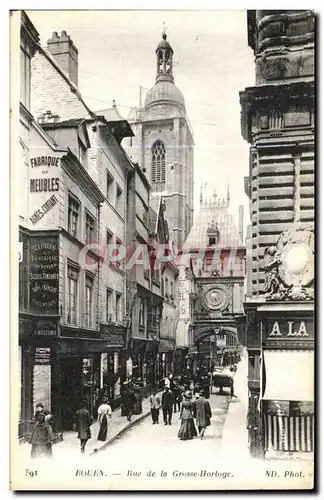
x=278, y=122
x=72, y=182
x=163, y=145
x=216, y=269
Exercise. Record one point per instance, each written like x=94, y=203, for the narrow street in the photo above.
x=161, y=440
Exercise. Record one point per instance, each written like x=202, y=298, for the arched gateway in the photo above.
x=218, y=274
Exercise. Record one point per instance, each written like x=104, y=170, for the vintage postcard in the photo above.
x=162, y=211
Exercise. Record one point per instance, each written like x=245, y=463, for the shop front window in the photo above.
x=42, y=377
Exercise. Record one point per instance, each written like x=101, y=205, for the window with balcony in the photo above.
x=73, y=277
x=88, y=302
x=73, y=215
x=90, y=228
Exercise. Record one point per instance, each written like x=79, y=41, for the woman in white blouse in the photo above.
x=104, y=411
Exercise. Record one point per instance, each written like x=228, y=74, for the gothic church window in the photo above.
x=158, y=165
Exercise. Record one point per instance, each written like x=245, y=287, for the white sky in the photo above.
x=214, y=62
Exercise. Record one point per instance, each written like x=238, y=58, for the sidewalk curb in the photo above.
x=120, y=433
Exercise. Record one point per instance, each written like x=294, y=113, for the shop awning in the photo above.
x=289, y=375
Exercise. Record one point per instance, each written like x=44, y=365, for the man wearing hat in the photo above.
x=167, y=403
x=202, y=413
x=83, y=421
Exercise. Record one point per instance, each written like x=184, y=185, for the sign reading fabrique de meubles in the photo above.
x=44, y=185
x=44, y=275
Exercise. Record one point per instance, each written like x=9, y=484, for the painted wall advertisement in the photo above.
x=44, y=186
x=44, y=275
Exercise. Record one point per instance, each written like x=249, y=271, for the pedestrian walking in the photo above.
x=83, y=421
x=167, y=403
x=167, y=382
x=104, y=413
x=129, y=402
x=187, y=429
x=41, y=438
x=177, y=398
x=155, y=407
x=138, y=409
x=202, y=413
x=171, y=381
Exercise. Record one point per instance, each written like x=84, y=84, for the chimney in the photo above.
x=241, y=222
x=65, y=53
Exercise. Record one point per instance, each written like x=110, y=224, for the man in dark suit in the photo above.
x=202, y=412
x=83, y=421
x=167, y=402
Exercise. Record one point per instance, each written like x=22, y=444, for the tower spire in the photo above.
x=164, y=59
x=201, y=195
x=228, y=193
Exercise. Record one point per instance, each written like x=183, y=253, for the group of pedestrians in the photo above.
x=190, y=409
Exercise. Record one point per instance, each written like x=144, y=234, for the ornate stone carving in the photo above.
x=289, y=266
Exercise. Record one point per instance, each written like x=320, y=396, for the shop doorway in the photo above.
x=79, y=380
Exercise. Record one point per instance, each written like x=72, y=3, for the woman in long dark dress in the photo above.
x=41, y=438
x=187, y=429
x=104, y=412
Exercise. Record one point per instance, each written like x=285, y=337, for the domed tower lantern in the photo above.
x=164, y=57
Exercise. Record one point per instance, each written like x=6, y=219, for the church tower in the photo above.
x=163, y=145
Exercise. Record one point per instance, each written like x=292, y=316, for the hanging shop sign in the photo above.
x=166, y=345
x=44, y=275
x=288, y=331
x=114, y=340
x=42, y=355
x=81, y=347
x=112, y=336
x=47, y=327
